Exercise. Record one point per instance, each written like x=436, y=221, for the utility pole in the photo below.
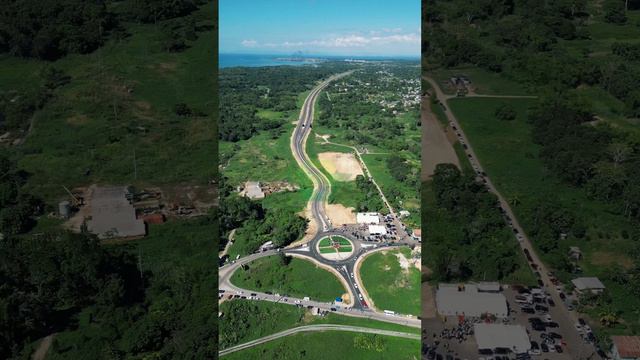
x=135, y=166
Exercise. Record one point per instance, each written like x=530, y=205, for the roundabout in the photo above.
x=335, y=247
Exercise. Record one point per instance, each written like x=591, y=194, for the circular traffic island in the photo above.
x=335, y=247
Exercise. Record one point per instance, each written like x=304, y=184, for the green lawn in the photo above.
x=340, y=240
x=299, y=278
x=389, y=286
x=325, y=242
x=246, y=320
x=511, y=160
x=331, y=344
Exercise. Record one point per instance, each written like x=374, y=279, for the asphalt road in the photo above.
x=323, y=327
x=565, y=318
x=344, y=267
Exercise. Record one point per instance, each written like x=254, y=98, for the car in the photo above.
x=220, y=291
x=528, y=310
x=243, y=297
x=562, y=296
x=544, y=347
x=552, y=324
x=333, y=309
x=547, y=318
x=554, y=335
x=558, y=348
x=540, y=282
x=541, y=308
x=581, y=321
x=254, y=294
x=535, y=348
x=551, y=302
x=538, y=327
x=535, y=320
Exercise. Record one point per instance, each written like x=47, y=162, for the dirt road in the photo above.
x=436, y=148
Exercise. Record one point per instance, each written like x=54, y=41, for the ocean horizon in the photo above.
x=226, y=60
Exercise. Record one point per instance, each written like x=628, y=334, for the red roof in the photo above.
x=628, y=346
x=153, y=218
x=417, y=232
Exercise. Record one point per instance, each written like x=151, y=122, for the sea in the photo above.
x=255, y=60
x=258, y=60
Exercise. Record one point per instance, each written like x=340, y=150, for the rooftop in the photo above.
x=627, y=346
x=494, y=336
x=588, y=283
x=452, y=300
x=112, y=215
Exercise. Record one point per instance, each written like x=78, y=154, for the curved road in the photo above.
x=565, y=318
x=321, y=185
x=323, y=327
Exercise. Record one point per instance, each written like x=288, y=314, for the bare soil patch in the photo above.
x=341, y=166
x=77, y=119
x=428, y=302
x=605, y=258
x=436, y=148
x=339, y=214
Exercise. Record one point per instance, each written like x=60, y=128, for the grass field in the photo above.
x=511, y=160
x=380, y=172
x=323, y=345
x=120, y=101
x=268, y=318
x=299, y=278
x=389, y=286
x=484, y=81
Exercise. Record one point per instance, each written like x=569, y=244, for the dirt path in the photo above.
x=43, y=348
x=436, y=148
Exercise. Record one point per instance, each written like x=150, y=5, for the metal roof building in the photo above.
x=253, y=190
x=500, y=336
x=454, y=300
x=112, y=215
x=377, y=230
x=592, y=284
x=625, y=347
x=367, y=218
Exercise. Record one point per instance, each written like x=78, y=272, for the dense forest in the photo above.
x=466, y=230
x=244, y=91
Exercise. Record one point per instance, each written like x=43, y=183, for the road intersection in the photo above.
x=344, y=268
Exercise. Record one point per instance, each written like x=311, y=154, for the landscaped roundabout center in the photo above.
x=335, y=247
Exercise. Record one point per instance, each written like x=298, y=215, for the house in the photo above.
x=625, y=347
x=575, y=253
x=417, y=234
x=112, y=215
x=253, y=190
x=592, y=284
x=404, y=213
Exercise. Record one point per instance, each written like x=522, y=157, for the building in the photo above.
x=112, y=215
x=417, y=234
x=368, y=218
x=267, y=246
x=377, y=230
x=489, y=287
x=592, y=284
x=153, y=219
x=575, y=253
x=499, y=336
x=404, y=213
x=467, y=300
x=625, y=347
x=253, y=190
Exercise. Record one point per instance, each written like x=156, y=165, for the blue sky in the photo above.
x=320, y=27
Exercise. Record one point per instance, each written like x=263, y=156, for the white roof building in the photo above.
x=495, y=336
x=452, y=300
x=377, y=230
x=592, y=284
x=253, y=191
x=367, y=218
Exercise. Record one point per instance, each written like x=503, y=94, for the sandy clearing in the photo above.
x=428, y=302
x=339, y=214
x=436, y=148
x=341, y=166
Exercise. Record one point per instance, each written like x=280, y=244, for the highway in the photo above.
x=321, y=185
x=321, y=327
x=343, y=268
x=565, y=318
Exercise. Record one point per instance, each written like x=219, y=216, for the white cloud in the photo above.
x=249, y=43
x=351, y=41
